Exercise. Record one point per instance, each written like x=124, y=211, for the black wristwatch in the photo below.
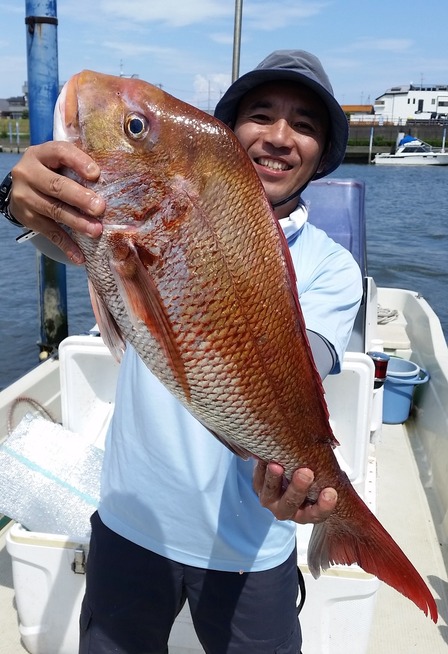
x=5, y=194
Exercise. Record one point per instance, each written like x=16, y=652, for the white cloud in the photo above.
x=133, y=49
x=172, y=12
x=208, y=90
x=268, y=16
x=380, y=44
x=224, y=38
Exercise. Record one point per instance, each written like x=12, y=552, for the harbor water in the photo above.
x=407, y=245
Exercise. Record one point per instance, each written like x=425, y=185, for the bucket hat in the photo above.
x=295, y=66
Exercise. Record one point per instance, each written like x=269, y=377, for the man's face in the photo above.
x=283, y=126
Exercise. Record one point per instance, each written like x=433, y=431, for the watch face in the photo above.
x=5, y=190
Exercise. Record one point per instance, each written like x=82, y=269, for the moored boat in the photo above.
x=412, y=151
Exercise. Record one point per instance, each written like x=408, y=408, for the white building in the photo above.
x=415, y=102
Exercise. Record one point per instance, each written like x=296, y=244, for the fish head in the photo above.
x=103, y=114
x=129, y=126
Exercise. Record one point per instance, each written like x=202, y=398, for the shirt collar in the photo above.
x=293, y=223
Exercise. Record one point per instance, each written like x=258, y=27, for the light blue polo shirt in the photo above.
x=171, y=487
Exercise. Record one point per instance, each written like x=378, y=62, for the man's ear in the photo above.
x=323, y=159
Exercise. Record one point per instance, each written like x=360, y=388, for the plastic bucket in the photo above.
x=402, y=378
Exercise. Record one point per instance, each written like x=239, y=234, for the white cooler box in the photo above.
x=49, y=582
x=48, y=569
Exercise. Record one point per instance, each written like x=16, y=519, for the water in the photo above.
x=19, y=318
x=407, y=228
x=407, y=244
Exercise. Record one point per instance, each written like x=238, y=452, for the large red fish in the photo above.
x=193, y=270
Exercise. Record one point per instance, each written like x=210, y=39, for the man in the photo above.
x=180, y=516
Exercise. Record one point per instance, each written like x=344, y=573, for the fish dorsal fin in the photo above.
x=109, y=330
x=144, y=304
x=292, y=282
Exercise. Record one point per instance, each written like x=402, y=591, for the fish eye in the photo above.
x=136, y=126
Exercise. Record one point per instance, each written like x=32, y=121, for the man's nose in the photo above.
x=279, y=133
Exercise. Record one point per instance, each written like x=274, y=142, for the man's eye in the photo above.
x=260, y=118
x=304, y=127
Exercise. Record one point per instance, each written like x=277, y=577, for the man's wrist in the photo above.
x=5, y=196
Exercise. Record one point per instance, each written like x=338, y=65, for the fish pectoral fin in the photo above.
x=144, y=304
x=358, y=537
x=109, y=330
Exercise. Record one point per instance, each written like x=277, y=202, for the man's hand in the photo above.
x=45, y=201
x=286, y=503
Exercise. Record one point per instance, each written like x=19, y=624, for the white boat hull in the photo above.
x=426, y=159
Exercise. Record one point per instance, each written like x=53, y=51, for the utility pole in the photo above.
x=43, y=88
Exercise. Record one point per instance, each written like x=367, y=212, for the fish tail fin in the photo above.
x=360, y=538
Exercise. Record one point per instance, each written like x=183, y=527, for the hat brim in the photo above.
x=227, y=107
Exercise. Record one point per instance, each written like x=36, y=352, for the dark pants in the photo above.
x=133, y=596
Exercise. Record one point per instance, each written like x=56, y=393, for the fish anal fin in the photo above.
x=144, y=304
x=109, y=330
x=233, y=447
x=361, y=539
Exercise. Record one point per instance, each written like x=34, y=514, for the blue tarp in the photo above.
x=407, y=139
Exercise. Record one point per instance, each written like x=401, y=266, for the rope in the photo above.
x=386, y=315
x=26, y=400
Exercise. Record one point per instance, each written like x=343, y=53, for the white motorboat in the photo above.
x=411, y=151
x=399, y=466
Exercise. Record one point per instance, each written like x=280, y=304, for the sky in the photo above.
x=186, y=46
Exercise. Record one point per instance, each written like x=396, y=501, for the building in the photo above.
x=412, y=102
x=13, y=107
x=359, y=113
x=355, y=109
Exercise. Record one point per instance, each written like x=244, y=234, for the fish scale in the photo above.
x=193, y=270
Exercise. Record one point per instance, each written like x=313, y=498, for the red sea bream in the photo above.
x=193, y=270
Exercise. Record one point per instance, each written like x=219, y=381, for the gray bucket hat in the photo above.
x=295, y=66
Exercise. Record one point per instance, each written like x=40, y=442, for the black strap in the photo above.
x=302, y=590
x=290, y=197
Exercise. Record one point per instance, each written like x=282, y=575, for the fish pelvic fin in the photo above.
x=361, y=539
x=109, y=330
x=144, y=304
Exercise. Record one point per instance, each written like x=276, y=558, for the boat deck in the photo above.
x=403, y=510
x=398, y=625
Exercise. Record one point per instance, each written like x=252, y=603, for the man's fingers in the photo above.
x=68, y=192
x=39, y=190
x=292, y=497
x=272, y=486
x=298, y=500
x=57, y=154
x=259, y=475
x=320, y=511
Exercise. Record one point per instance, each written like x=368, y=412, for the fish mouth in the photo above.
x=66, y=113
x=272, y=164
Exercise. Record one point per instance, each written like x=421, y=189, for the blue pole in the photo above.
x=43, y=88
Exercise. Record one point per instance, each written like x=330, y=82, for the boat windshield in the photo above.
x=416, y=148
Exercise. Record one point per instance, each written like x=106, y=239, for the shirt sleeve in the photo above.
x=330, y=287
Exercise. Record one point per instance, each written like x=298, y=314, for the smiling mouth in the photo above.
x=272, y=164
